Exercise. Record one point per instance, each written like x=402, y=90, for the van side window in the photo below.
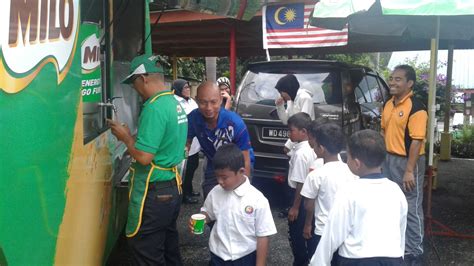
x=374, y=89
x=369, y=90
x=369, y=95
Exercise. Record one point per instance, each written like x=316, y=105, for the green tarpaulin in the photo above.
x=344, y=8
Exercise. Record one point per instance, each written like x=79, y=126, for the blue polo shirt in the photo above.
x=230, y=129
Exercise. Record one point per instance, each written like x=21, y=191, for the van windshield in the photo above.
x=259, y=88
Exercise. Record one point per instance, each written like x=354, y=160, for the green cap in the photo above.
x=143, y=64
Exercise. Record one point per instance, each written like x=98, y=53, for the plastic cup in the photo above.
x=199, y=220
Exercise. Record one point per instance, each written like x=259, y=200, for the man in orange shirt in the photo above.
x=404, y=121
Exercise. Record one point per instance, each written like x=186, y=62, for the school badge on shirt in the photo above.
x=248, y=209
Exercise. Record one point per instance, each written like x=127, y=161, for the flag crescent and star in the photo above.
x=287, y=26
x=289, y=15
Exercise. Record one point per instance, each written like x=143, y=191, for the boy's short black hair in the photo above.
x=329, y=135
x=299, y=120
x=228, y=156
x=368, y=146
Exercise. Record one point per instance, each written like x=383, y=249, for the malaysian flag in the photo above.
x=287, y=26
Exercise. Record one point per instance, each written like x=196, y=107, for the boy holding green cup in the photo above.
x=242, y=215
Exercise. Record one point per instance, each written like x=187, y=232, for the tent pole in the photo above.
x=432, y=92
x=232, y=60
x=432, y=111
x=431, y=116
x=445, y=153
x=174, y=64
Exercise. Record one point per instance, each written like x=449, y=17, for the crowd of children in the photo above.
x=341, y=214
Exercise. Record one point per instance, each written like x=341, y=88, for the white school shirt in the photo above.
x=241, y=216
x=322, y=184
x=303, y=157
x=188, y=106
x=368, y=219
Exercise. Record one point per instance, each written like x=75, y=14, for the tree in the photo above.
x=421, y=88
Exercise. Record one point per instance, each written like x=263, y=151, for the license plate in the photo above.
x=275, y=133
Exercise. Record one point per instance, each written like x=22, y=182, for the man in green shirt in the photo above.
x=154, y=181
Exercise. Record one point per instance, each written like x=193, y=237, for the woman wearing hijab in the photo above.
x=182, y=91
x=296, y=100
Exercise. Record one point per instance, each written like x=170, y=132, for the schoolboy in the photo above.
x=300, y=162
x=242, y=215
x=321, y=185
x=368, y=218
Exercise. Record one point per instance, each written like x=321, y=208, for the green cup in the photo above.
x=199, y=220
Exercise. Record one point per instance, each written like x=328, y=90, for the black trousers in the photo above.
x=191, y=166
x=156, y=242
x=303, y=249
x=247, y=260
x=375, y=261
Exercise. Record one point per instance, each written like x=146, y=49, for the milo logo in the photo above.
x=91, y=89
x=90, y=53
x=34, y=33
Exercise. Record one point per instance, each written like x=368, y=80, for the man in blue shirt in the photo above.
x=214, y=126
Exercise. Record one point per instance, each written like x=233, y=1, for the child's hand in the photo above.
x=307, y=234
x=191, y=226
x=292, y=214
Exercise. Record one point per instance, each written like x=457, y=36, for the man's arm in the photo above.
x=294, y=210
x=409, y=181
x=188, y=146
x=122, y=132
x=308, y=222
x=262, y=250
x=228, y=100
x=248, y=167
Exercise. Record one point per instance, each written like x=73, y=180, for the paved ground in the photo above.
x=453, y=205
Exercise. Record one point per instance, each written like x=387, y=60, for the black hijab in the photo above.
x=178, y=87
x=288, y=84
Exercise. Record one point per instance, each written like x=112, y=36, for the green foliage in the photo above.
x=196, y=67
x=463, y=142
x=421, y=88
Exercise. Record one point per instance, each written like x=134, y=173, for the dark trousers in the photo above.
x=376, y=261
x=156, y=242
x=247, y=260
x=191, y=166
x=303, y=249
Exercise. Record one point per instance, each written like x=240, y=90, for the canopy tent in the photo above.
x=447, y=20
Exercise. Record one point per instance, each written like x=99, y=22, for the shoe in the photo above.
x=195, y=194
x=189, y=200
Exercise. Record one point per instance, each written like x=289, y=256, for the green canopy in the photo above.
x=428, y=7
x=344, y=8
x=240, y=9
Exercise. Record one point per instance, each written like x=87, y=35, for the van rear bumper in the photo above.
x=270, y=166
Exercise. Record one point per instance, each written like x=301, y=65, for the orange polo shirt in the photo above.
x=402, y=123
